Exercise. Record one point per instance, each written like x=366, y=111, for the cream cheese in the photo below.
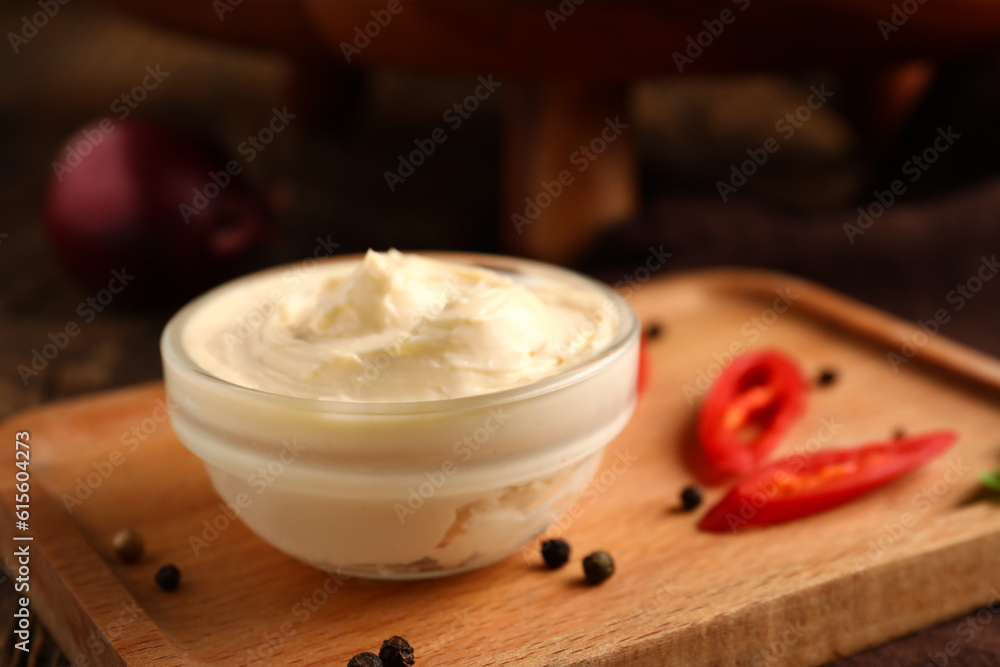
x=395, y=327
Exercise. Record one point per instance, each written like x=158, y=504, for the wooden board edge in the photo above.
x=65, y=572
x=81, y=402
x=854, y=316
x=862, y=600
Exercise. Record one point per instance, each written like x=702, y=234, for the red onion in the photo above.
x=150, y=199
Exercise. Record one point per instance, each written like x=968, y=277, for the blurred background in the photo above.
x=857, y=149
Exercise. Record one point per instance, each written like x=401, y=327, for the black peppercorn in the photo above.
x=168, y=578
x=826, y=377
x=690, y=497
x=654, y=331
x=127, y=545
x=365, y=660
x=396, y=652
x=598, y=566
x=555, y=552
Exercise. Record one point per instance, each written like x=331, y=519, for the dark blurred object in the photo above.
x=907, y=261
x=142, y=201
x=565, y=66
x=964, y=96
x=598, y=41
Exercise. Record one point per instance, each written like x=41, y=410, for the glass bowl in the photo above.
x=408, y=489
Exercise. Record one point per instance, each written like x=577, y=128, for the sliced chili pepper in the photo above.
x=805, y=484
x=749, y=408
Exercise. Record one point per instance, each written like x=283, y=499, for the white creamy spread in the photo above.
x=396, y=327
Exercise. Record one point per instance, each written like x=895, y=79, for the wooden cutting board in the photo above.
x=918, y=551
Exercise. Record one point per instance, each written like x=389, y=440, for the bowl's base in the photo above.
x=400, y=573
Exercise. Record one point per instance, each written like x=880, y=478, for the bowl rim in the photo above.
x=176, y=358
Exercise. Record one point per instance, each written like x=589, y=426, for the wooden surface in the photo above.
x=802, y=593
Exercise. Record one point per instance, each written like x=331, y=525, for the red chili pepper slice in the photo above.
x=805, y=484
x=749, y=408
